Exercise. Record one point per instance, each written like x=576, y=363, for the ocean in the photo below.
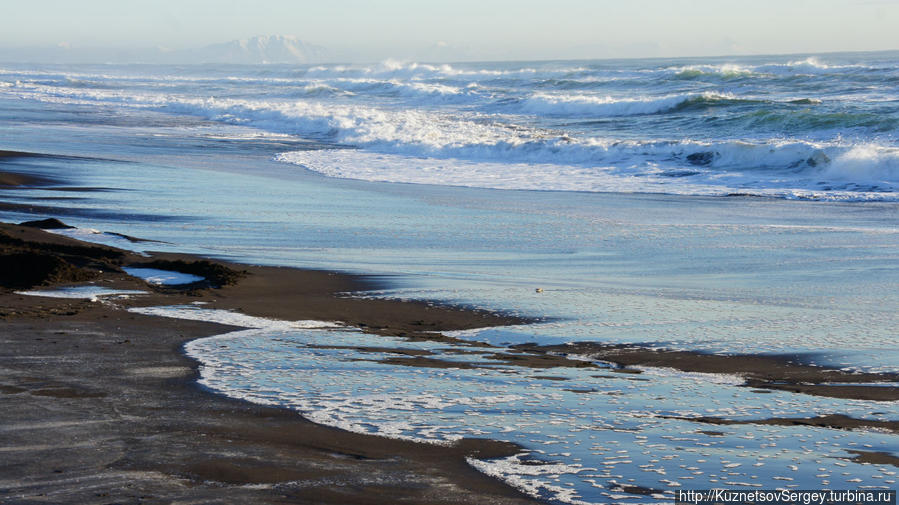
x=729, y=205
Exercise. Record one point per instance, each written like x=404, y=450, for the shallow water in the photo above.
x=162, y=277
x=758, y=276
x=585, y=431
x=801, y=126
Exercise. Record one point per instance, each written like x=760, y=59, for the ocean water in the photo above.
x=729, y=205
x=820, y=127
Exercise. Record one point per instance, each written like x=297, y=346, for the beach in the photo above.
x=564, y=282
x=101, y=405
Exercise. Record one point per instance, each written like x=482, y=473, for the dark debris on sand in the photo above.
x=26, y=263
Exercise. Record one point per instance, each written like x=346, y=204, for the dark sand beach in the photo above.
x=100, y=405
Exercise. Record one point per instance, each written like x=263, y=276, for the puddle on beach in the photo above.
x=586, y=433
x=162, y=277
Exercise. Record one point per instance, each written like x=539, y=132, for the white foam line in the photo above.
x=98, y=237
x=526, y=477
x=93, y=293
x=194, y=313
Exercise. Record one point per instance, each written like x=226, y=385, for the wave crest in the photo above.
x=792, y=170
x=587, y=105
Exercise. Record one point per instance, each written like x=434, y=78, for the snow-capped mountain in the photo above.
x=262, y=49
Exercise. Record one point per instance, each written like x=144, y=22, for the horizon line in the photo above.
x=409, y=60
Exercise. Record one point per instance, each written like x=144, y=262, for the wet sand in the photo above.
x=835, y=421
x=766, y=372
x=875, y=458
x=100, y=405
x=100, y=401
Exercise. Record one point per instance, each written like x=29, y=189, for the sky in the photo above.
x=467, y=29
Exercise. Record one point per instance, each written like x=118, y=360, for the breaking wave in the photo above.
x=586, y=105
x=771, y=126
x=794, y=170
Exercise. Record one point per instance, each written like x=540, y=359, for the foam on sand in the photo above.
x=93, y=293
x=584, y=435
x=99, y=237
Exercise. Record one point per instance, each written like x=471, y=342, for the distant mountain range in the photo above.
x=264, y=49
x=255, y=50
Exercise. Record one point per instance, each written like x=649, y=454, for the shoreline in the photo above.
x=118, y=397
x=223, y=449
x=174, y=438
x=764, y=372
x=10, y=180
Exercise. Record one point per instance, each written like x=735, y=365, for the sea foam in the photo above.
x=589, y=105
x=750, y=126
x=792, y=170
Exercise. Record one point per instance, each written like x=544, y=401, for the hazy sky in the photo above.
x=468, y=29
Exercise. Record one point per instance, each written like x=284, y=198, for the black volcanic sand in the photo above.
x=875, y=458
x=836, y=421
x=100, y=405
x=764, y=372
